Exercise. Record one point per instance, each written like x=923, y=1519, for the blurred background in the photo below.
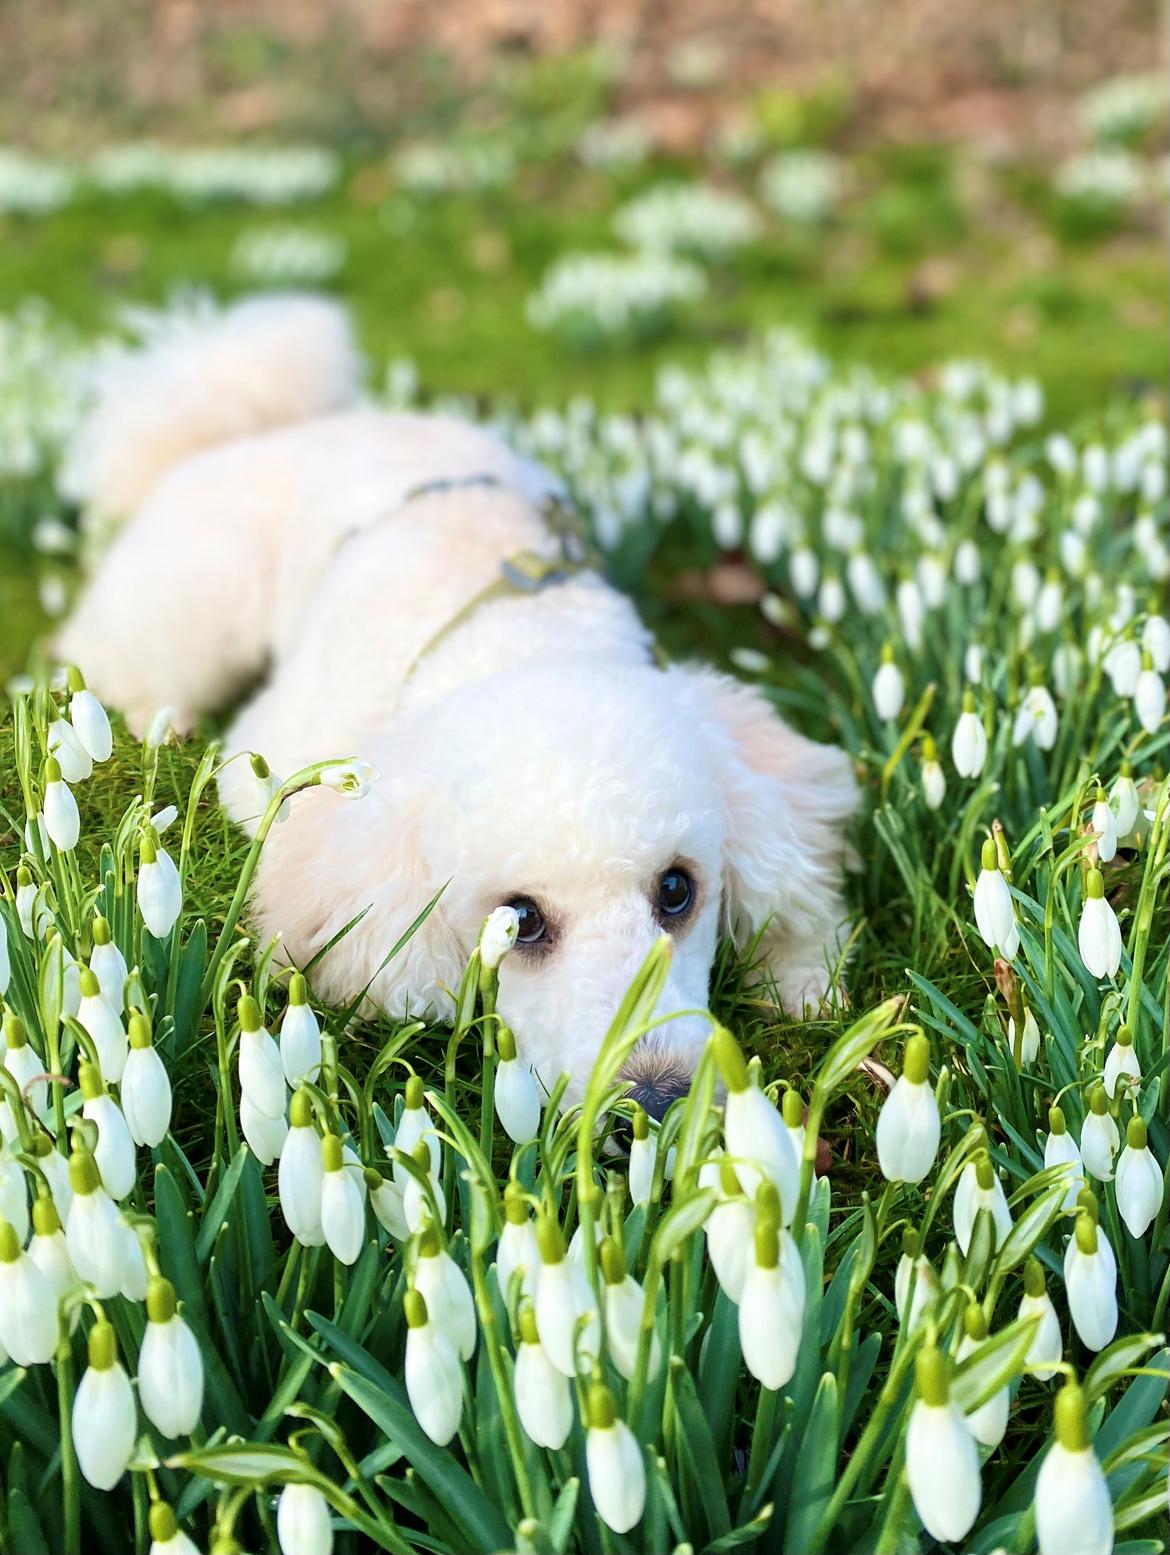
x=526, y=201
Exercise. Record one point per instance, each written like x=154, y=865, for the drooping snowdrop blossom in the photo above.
x=1060, y=1150
x=934, y=783
x=1098, y=933
x=416, y=1123
x=103, y=1023
x=160, y=893
x=565, y=1306
x=145, y=1090
x=114, y=1151
x=730, y=1228
x=108, y=965
x=25, y=1065
x=517, y=1252
x=28, y=1304
x=1029, y=1041
x=5, y=958
x=1123, y=664
x=643, y=1154
x=1090, y=1280
x=303, y=1522
x=544, y=1400
x=754, y=1132
x=771, y=1304
x=624, y=1302
x=353, y=779
x=13, y=1194
x=300, y=1174
x=48, y=1250
x=261, y=1072
x=995, y=913
x=55, y=1170
x=434, y=1376
x=105, y=1420
x=421, y=1187
x=1036, y=716
x=498, y=936
x=516, y=1097
x=1123, y=796
x=617, y=1471
x=265, y=1136
x=988, y=1422
x=448, y=1296
x=942, y=1460
x=94, y=1231
x=1149, y=703
x=915, y=1282
x=386, y=1203
x=343, y=1211
x=72, y=757
x=1104, y=824
x=62, y=820
x=911, y=612
x=166, y=1537
x=1122, y=1067
x=170, y=1366
x=1046, y=1351
x=1100, y=1138
x=908, y=1126
x=1139, y=1181
x=1156, y=642
x=26, y=905
x=90, y=719
x=979, y=1188
x=865, y=582
x=889, y=689
x=1073, y=1507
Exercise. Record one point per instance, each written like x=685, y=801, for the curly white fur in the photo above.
x=528, y=745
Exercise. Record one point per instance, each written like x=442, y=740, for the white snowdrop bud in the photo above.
x=1156, y=642
x=515, y=1094
x=62, y=821
x=968, y=564
x=105, y=1420
x=416, y=1203
x=416, y=1123
x=1073, y=1507
x=911, y=612
x=754, y=1132
x=1060, y=453
x=624, y=1305
x=771, y=1304
x=170, y=1366
x=1104, y=824
x=90, y=719
x=108, y=965
x=1060, y=1150
x=1139, y=1182
x=1098, y=934
x=13, y=1194
x=300, y=1035
x=166, y=1537
x=160, y=894
x=114, y=1151
x=94, y=1229
x=995, y=913
x=303, y=1523
x=1099, y=1137
x=444, y=1287
x=1123, y=796
x=915, y=1282
x=103, y=1023
x=730, y=1228
x=265, y=1136
x=866, y=583
x=28, y=1304
x=908, y=1126
x=1149, y=703
x=25, y=1065
x=617, y=1472
x=1123, y=665
x=804, y=572
x=72, y=757
x=434, y=1376
x=498, y=936
x=889, y=692
x=261, y=1072
x=49, y=1251
x=934, y=783
x=1046, y=1350
x=544, y=1399
x=387, y=1204
x=942, y=1460
x=1121, y=1065
x=969, y=742
x=1090, y=1279
x=145, y=1090
x=1036, y=716
x=55, y=1169
x=1025, y=583
x=979, y=1188
x=643, y=1154
x=516, y=1251
x=566, y=1308
x=300, y=1174
x=343, y=1212
x=1030, y=1041
x=988, y=1423
x=1049, y=605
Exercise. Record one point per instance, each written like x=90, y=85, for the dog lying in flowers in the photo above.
x=391, y=585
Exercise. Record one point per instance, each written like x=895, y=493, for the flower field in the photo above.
x=893, y=1277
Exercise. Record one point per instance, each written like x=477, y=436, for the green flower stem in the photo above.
x=763, y=1434
x=70, y=1474
x=507, y=1403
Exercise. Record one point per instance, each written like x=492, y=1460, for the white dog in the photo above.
x=530, y=750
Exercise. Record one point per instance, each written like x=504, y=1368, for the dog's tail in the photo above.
x=200, y=381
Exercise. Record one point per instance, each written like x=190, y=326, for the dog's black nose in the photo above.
x=657, y=1096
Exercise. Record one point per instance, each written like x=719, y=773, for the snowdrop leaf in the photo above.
x=994, y=1365
x=560, y=1524
x=1029, y=1228
x=216, y=1214
x=176, y=1241
x=681, y=1222
x=814, y=1483
x=1113, y=1363
x=718, y=1373
x=243, y=1464
x=857, y=1043
x=1137, y=1406
x=699, y=1449
x=192, y=966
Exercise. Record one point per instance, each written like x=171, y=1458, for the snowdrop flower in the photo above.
x=730, y=1229
x=72, y=757
x=988, y=1423
x=105, y=1421
x=1049, y=605
x=1121, y=1064
x=934, y=783
x=517, y=1251
x=1104, y=824
x=261, y=1072
x=108, y=965
x=26, y=905
x=498, y=936
x=268, y=785
x=1073, y=1507
x=162, y=726
x=995, y=914
x=434, y=1376
x=1046, y=1350
x=1090, y=1279
x=1139, y=1182
x=303, y=1523
x=1025, y=583
x=13, y=1195
x=865, y=581
x=416, y=1123
x=643, y=1153
x=617, y=1472
x=979, y=1188
x=28, y=1304
x=1099, y=1137
x=446, y=1291
x=911, y=612
x=566, y=1316
x=55, y=1169
x=25, y=1066
x=1156, y=642
x=343, y=1212
x=1123, y=665
x=771, y=1304
x=969, y=741
x=1030, y=1041
x=62, y=821
x=265, y=1136
x=1123, y=796
x=915, y=1282
x=94, y=1229
x=831, y=601
x=968, y=563
x=48, y=1250
x=104, y=1025
x=114, y=1151
x=5, y=960
x=1098, y=934
x=416, y=1201
x=1060, y=1150
x=792, y=1116
x=624, y=1302
x=145, y=1089
x=301, y=1174
x=908, y=1126
x=1149, y=703
x=387, y=1205
x=932, y=580
x=160, y=894
x=1036, y=716
x=516, y=1097
x=300, y=1035
x=166, y=1537
x=170, y=1366
x=754, y=1132
x=90, y=720
x=353, y=779
x=888, y=689
x=544, y=1399
x=942, y=1460
x=804, y=572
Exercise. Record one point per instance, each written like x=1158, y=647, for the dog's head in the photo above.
x=608, y=808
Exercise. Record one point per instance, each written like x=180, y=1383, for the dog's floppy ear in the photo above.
x=786, y=801
x=335, y=860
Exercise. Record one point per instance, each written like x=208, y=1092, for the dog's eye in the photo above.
x=532, y=925
x=674, y=893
